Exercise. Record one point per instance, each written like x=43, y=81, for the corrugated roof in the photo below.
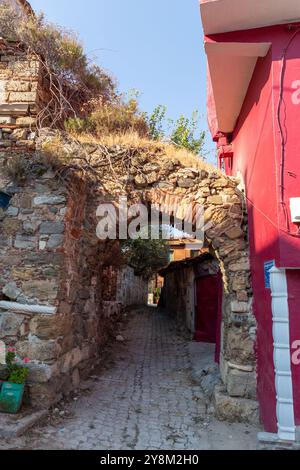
x=174, y=265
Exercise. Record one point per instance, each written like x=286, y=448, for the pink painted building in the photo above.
x=253, y=56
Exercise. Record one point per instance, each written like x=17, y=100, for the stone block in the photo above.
x=150, y=168
x=55, y=241
x=38, y=350
x=11, y=291
x=152, y=177
x=239, y=346
x=18, y=134
x=13, y=109
x=10, y=324
x=17, y=85
x=41, y=373
x=52, y=228
x=25, y=201
x=220, y=183
x=185, y=183
x=241, y=265
x=234, y=233
x=241, y=383
x=22, y=97
x=12, y=211
x=140, y=181
x=29, y=228
x=45, y=395
x=45, y=290
x=7, y=120
x=50, y=326
x=242, y=296
x=216, y=200
x=10, y=227
x=240, y=282
x=71, y=359
x=25, y=242
x=240, y=307
x=49, y=200
x=26, y=121
x=235, y=410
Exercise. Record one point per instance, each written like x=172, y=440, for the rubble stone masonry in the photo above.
x=20, y=92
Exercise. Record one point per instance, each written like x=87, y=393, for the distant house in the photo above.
x=184, y=248
x=253, y=57
x=193, y=293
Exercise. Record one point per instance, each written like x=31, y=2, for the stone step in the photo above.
x=12, y=426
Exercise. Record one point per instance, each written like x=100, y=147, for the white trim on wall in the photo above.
x=282, y=356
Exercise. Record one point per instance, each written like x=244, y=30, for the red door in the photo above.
x=209, y=310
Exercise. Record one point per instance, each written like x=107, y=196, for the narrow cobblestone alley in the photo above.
x=146, y=400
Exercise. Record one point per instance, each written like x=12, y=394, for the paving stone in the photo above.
x=144, y=401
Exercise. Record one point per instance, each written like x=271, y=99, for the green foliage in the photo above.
x=156, y=122
x=78, y=125
x=146, y=257
x=10, y=360
x=16, y=374
x=184, y=134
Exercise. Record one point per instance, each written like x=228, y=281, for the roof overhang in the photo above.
x=221, y=16
x=231, y=66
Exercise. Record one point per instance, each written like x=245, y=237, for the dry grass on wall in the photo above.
x=133, y=140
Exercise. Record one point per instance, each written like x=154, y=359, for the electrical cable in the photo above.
x=282, y=136
x=295, y=235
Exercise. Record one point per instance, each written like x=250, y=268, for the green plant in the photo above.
x=184, y=134
x=146, y=257
x=18, y=375
x=156, y=122
x=78, y=125
x=15, y=373
x=10, y=360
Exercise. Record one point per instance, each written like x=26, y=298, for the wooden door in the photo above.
x=209, y=310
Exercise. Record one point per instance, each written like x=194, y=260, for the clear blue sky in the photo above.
x=154, y=46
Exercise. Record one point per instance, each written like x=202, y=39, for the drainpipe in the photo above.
x=282, y=356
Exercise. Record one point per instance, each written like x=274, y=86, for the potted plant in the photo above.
x=12, y=391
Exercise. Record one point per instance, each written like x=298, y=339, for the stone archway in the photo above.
x=226, y=233
x=50, y=231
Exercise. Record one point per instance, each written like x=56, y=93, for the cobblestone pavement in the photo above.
x=146, y=400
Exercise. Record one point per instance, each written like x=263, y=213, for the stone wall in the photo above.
x=20, y=93
x=50, y=254
x=50, y=257
x=122, y=289
x=131, y=289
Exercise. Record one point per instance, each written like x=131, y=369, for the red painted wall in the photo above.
x=257, y=157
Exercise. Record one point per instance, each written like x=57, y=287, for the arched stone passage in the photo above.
x=172, y=188
x=51, y=231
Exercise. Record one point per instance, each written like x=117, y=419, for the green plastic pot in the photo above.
x=11, y=396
